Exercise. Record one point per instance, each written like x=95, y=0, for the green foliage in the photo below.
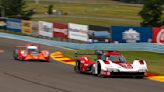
x=15, y=9
x=152, y=13
x=50, y=9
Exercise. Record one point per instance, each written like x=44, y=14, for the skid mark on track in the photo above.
x=36, y=83
x=58, y=56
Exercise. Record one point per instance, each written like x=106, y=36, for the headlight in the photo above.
x=24, y=53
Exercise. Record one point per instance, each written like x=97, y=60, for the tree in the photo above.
x=50, y=9
x=151, y=13
x=15, y=9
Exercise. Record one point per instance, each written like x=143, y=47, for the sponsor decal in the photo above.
x=64, y=31
x=78, y=32
x=27, y=27
x=60, y=30
x=123, y=34
x=14, y=25
x=46, y=29
x=160, y=36
x=131, y=36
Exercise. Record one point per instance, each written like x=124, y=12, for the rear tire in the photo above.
x=139, y=77
x=77, y=67
x=15, y=56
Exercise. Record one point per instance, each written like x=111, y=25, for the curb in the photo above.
x=58, y=56
x=156, y=78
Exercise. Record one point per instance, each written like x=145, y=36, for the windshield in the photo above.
x=116, y=59
x=33, y=51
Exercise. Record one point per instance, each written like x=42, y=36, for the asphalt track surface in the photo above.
x=26, y=76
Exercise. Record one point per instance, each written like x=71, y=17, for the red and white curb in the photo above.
x=58, y=56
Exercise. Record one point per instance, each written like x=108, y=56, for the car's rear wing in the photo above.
x=92, y=52
x=20, y=46
x=24, y=47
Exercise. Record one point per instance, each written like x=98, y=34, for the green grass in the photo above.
x=102, y=9
x=73, y=1
x=108, y=10
x=97, y=10
x=155, y=61
x=88, y=21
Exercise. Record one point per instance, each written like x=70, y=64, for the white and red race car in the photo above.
x=111, y=63
x=30, y=52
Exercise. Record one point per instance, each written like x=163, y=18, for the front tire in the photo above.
x=99, y=70
x=139, y=77
x=15, y=56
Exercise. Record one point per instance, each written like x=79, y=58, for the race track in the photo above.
x=21, y=76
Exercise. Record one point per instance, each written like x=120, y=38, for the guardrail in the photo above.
x=158, y=48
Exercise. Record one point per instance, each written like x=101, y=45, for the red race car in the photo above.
x=110, y=63
x=30, y=52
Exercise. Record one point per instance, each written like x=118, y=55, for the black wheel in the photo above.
x=99, y=70
x=15, y=56
x=139, y=77
x=20, y=59
x=77, y=66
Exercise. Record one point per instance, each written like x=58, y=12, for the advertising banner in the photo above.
x=45, y=29
x=123, y=34
x=99, y=33
x=78, y=32
x=2, y=23
x=35, y=28
x=13, y=25
x=158, y=35
x=26, y=27
x=60, y=30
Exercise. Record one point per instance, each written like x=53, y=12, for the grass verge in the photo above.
x=88, y=21
x=108, y=10
x=99, y=10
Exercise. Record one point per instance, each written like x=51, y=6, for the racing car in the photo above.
x=109, y=64
x=30, y=52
